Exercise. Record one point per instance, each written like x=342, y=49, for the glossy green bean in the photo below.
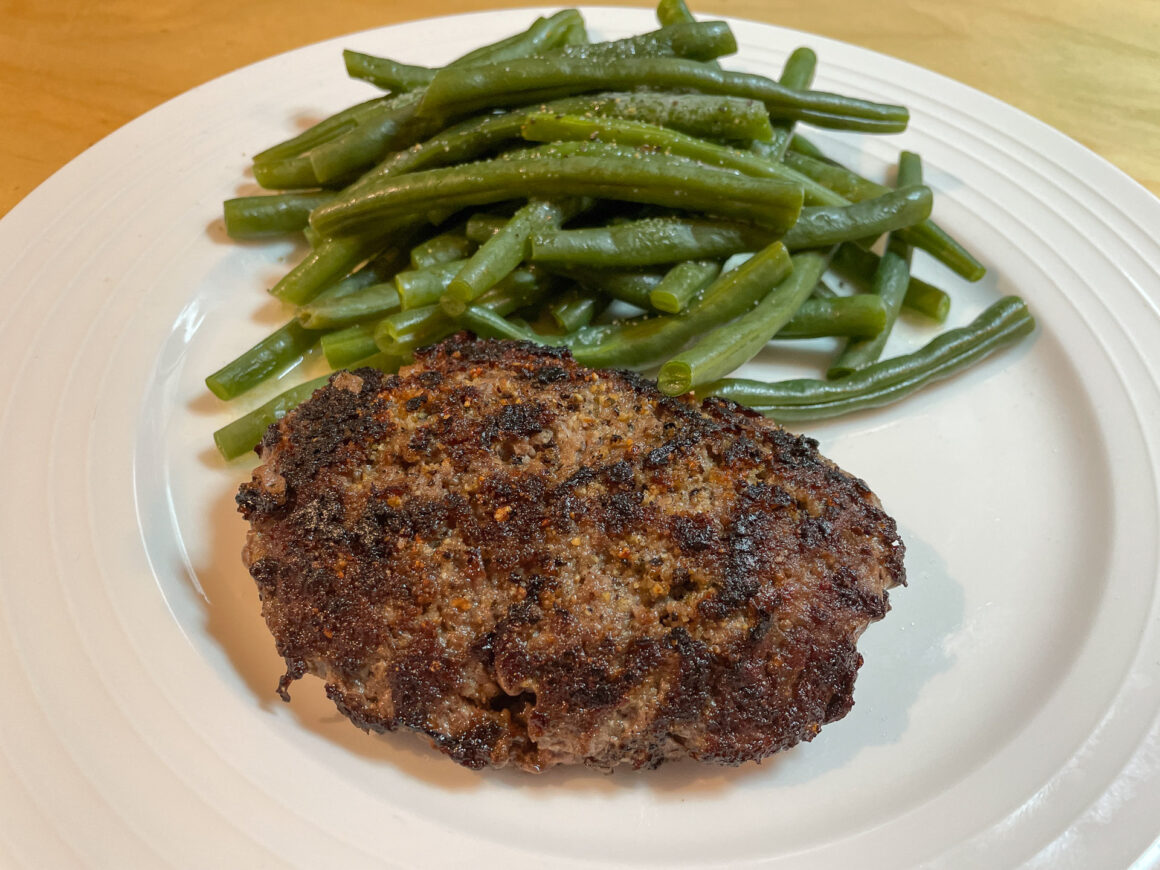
x=798, y=75
x=694, y=40
x=926, y=236
x=327, y=263
x=731, y=344
x=382, y=72
x=372, y=303
x=648, y=242
x=825, y=316
x=256, y=217
x=825, y=225
x=465, y=90
x=889, y=380
x=442, y=248
x=324, y=131
x=890, y=283
x=274, y=353
x=859, y=265
x=243, y=434
x=681, y=285
x=641, y=343
x=576, y=309
x=345, y=347
x=503, y=252
x=633, y=286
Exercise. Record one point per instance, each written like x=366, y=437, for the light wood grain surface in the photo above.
x=72, y=71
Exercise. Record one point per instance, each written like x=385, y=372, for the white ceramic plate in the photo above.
x=1007, y=712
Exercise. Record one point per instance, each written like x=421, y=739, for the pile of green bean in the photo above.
x=630, y=200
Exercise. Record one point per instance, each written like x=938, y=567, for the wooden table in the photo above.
x=72, y=71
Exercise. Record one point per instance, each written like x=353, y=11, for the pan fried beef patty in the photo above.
x=534, y=563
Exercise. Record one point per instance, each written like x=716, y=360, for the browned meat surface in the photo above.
x=534, y=563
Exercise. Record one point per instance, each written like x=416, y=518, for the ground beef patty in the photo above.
x=534, y=563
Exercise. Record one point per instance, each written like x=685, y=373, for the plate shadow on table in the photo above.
x=903, y=653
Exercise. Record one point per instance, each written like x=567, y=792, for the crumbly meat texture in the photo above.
x=533, y=563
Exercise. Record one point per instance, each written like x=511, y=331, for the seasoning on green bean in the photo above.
x=655, y=179
x=681, y=284
x=464, y=90
x=733, y=344
x=557, y=127
x=890, y=282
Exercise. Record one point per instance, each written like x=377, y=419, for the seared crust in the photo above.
x=534, y=563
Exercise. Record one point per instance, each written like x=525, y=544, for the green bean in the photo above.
x=403, y=332
x=504, y=251
x=859, y=266
x=576, y=309
x=732, y=344
x=393, y=125
x=324, y=131
x=277, y=351
x=241, y=436
x=466, y=90
x=671, y=12
x=798, y=75
x=382, y=72
x=657, y=180
x=481, y=227
x=887, y=381
x=544, y=34
x=255, y=217
x=893, y=210
x=325, y=264
x=819, y=317
x=442, y=248
x=681, y=284
x=648, y=242
x=889, y=283
x=633, y=286
x=697, y=114
x=373, y=302
x=926, y=236
x=344, y=347
x=419, y=287
x=555, y=127
x=695, y=40
x=640, y=343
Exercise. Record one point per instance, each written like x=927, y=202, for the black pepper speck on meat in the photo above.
x=533, y=563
